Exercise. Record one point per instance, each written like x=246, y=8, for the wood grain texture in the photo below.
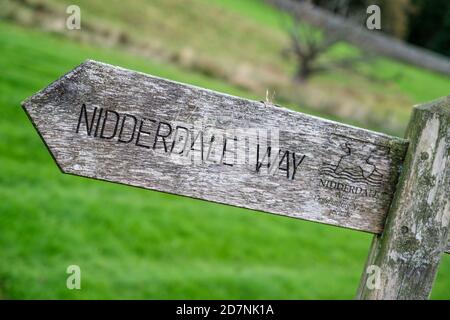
x=109, y=123
x=416, y=233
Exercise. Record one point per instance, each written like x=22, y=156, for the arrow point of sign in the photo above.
x=45, y=92
x=40, y=108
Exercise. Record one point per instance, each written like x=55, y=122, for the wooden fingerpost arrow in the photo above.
x=105, y=122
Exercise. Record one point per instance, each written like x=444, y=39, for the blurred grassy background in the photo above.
x=132, y=243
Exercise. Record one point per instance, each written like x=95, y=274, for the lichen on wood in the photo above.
x=409, y=250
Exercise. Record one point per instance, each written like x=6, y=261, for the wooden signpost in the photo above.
x=113, y=124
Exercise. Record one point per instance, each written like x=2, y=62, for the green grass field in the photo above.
x=133, y=243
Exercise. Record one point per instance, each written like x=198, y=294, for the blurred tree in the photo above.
x=425, y=23
x=348, y=23
x=429, y=25
x=308, y=44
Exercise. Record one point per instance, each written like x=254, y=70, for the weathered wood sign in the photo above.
x=108, y=123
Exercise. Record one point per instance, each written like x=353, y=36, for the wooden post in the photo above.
x=404, y=259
